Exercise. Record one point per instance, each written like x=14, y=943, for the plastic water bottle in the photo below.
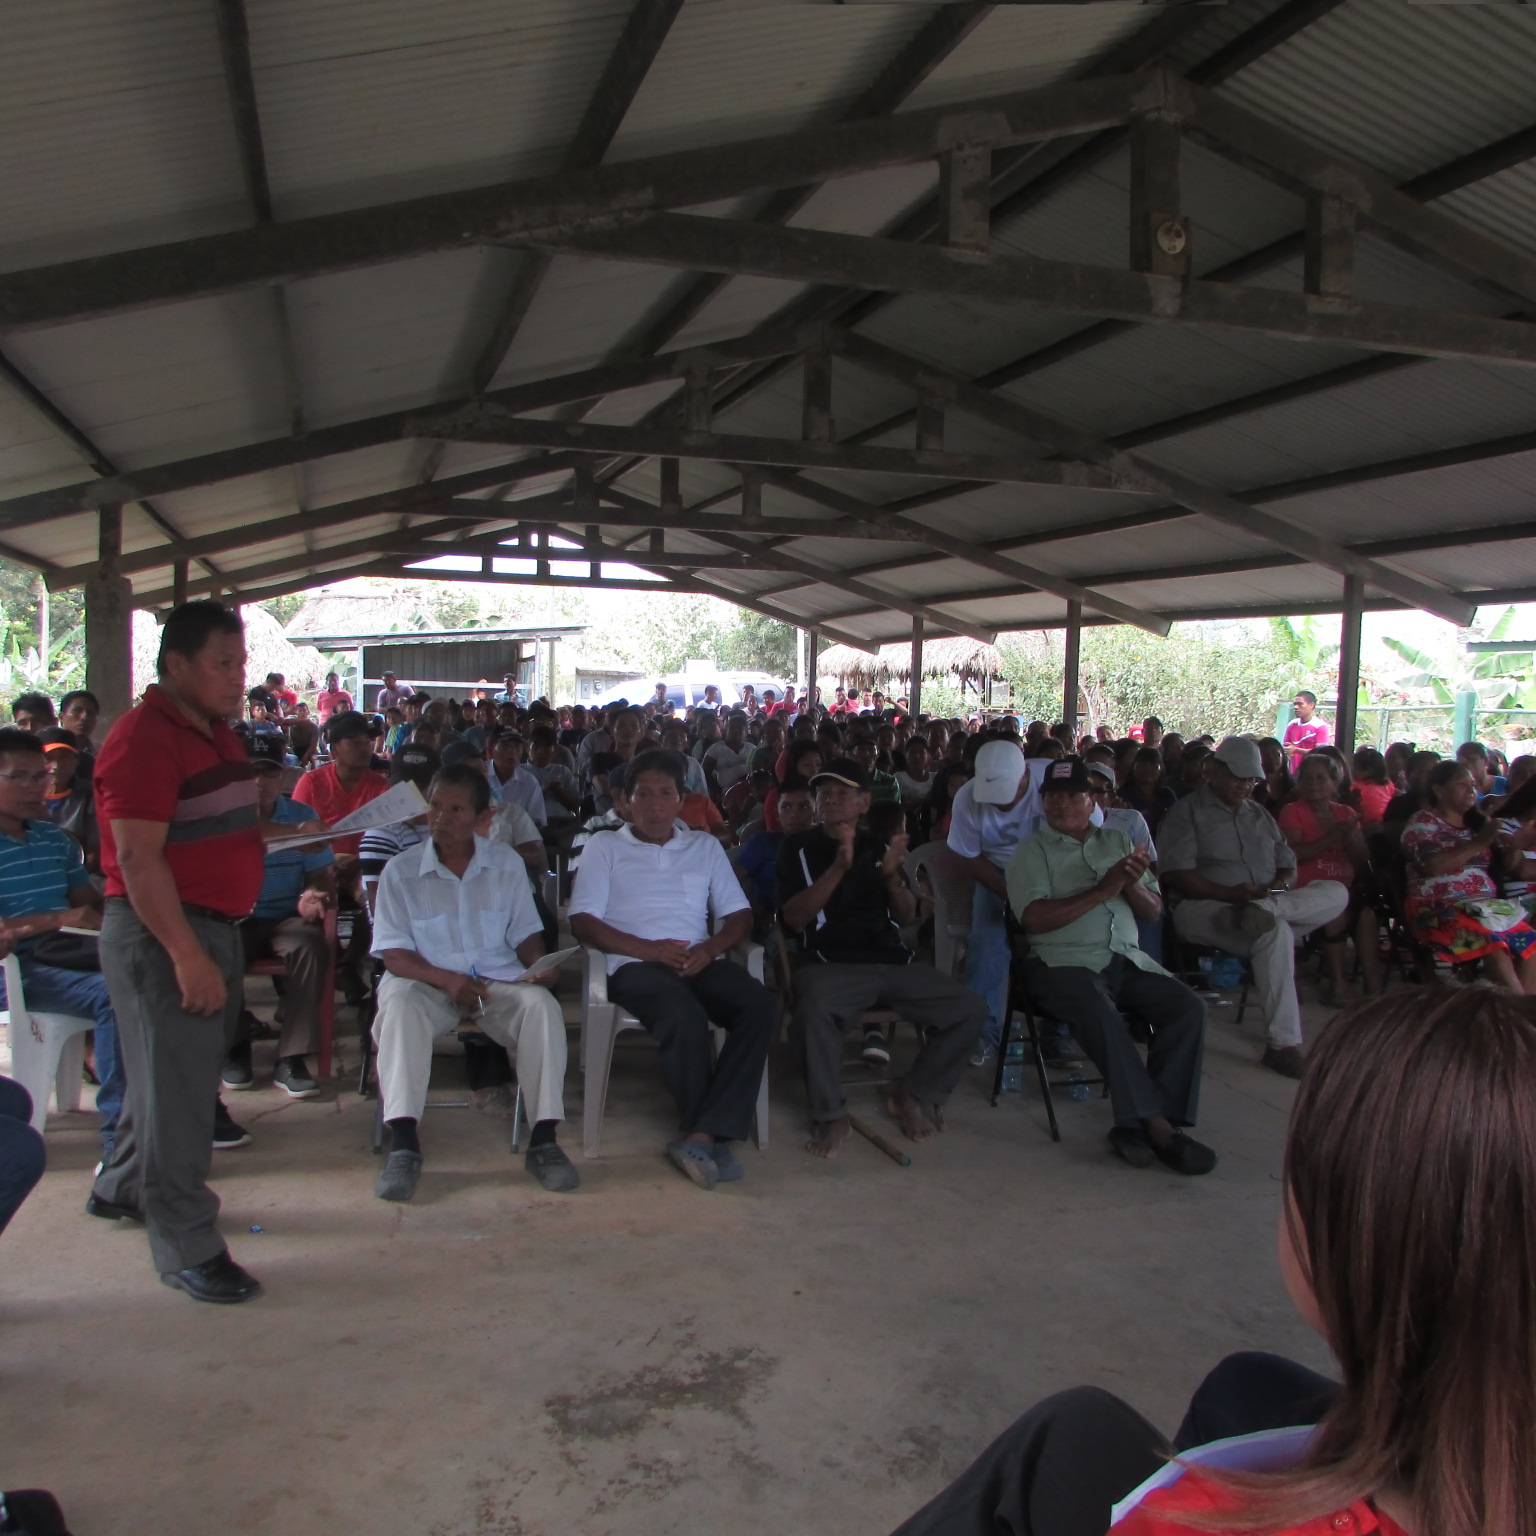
x=1013, y=1067
x=1079, y=1089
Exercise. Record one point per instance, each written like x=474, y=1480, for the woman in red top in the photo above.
x=1407, y=1242
x=1326, y=839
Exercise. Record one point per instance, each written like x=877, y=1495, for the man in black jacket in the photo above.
x=843, y=894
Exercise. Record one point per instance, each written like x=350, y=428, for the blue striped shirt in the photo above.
x=38, y=873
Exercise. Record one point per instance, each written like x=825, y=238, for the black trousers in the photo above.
x=713, y=1096
x=1060, y=1469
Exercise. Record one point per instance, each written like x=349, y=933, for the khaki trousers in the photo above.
x=524, y=1018
x=1272, y=956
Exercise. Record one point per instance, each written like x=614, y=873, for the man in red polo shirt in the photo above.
x=182, y=853
x=346, y=782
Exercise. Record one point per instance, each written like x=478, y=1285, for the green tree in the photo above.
x=757, y=643
x=1195, y=680
x=283, y=608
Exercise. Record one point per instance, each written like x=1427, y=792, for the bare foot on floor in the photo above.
x=935, y=1113
x=908, y=1115
x=828, y=1136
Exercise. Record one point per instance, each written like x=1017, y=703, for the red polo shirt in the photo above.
x=330, y=799
x=155, y=765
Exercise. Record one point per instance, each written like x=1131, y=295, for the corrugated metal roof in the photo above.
x=115, y=129
x=361, y=103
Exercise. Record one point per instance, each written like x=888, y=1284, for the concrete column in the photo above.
x=915, y=687
x=1074, y=653
x=1349, y=664
x=109, y=622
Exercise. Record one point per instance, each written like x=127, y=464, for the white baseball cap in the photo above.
x=1240, y=755
x=999, y=770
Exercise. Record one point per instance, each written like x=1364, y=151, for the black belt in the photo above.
x=192, y=910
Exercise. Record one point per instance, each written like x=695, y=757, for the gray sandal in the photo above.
x=693, y=1159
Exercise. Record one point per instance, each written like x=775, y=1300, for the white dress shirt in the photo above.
x=656, y=890
x=521, y=789
x=473, y=923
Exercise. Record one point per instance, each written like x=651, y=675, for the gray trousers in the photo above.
x=172, y=1058
x=301, y=946
x=1094, y=1004
x=831, y=999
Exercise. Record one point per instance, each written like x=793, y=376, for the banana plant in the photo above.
x=1313, y=659
x=1500, y=679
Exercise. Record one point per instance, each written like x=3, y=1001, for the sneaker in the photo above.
x=875, y=1048
x=984, y=1052
x=237, y=1070
x=1287, y=1060
x=398, y=1179
x=292, y=1076
x=552, y=1168
x=226, y=1134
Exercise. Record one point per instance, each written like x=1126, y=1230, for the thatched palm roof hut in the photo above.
x=968, y=661
x=267, y=650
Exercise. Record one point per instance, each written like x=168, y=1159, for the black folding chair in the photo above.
x=1018, y=1002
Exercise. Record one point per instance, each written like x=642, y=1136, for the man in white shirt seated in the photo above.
x=455, y=925
x=643, y=895
x=509, y=780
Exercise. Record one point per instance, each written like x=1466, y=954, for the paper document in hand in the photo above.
x=540, y=967
x=400, y=802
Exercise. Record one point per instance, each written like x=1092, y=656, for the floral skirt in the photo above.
x=1457, y=932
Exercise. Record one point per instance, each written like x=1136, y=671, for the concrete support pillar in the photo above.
x=1074, y=654
x=109, y=622
x=915, y=687
x=812, y=651
x=1349, y=664
x=179, y=573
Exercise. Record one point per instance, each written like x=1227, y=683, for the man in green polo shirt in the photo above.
x=1078, y=891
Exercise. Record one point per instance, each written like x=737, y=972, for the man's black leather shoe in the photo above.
x=219, y=1280
x=108, y=1211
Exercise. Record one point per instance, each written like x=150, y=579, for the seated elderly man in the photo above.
x=644, y=895
x=1230, y=867
x=456, y=928
x=1079, y=891
x=843, y=893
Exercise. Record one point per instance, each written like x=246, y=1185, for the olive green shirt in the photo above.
x=1049, y=866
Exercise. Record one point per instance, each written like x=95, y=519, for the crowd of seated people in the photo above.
x=1242, y=846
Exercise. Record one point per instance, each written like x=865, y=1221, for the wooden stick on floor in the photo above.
x=885, y=1144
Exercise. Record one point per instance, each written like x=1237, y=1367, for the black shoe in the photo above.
x=1130, y=1142
x=220, y=1280
x=226, y=1134
x=34, y=1511
x=292, y=1076
x=110, y=1211
x=1060, y=1054
x=1185, y=1155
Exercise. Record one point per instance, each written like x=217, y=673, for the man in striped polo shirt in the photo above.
x=44, y=887
x=182, y=853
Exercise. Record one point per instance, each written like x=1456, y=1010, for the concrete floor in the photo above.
x=817, y=1349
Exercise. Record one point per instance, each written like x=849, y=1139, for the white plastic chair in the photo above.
x=940, y=873
x=603, y=1021
x=47, y=1049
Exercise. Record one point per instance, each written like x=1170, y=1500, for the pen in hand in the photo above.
x=474, y=975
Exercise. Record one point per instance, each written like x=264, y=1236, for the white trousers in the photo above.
x=524, y=1018
x=1272, y=956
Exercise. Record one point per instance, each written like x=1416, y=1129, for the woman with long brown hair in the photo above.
x=1407, y=1242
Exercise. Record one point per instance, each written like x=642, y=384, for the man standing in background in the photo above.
x=182, y=855
x=1307, y=732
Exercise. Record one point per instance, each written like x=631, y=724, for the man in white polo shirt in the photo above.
x=643, y=895
x=456, y=928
